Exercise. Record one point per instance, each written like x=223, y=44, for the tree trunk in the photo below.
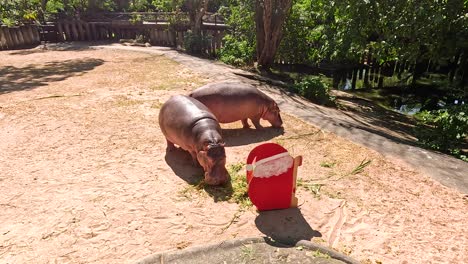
x=419, y=69
x=464, y=70
x=354, y=79
x=366, y=77
x=454, y=66
x=197, y=9
x=269, y=19
x=42, y=11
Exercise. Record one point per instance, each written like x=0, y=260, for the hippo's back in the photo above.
x=232, y=101
x=227, y=89
x=177, y=117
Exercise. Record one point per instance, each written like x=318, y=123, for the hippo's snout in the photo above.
x=218, y=175
x=277, y=122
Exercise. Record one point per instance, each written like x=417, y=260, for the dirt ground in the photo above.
x=85, y=177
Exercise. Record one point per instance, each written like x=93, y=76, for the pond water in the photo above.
x=409, y=109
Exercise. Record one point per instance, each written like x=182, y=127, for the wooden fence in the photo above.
x=370, y=72
x=161, y=34
x=19, y=37
x=367, y=71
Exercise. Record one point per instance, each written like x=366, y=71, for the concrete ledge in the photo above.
x=204, y=251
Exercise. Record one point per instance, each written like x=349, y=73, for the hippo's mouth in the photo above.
x=217, y=176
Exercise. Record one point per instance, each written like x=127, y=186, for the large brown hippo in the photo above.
x=233, y=101
x=190, y=124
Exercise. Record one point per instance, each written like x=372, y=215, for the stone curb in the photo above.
x=172, y=255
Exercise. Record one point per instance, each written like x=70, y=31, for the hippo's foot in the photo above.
x=245, y=124
x=257, y=125
x=256, y=122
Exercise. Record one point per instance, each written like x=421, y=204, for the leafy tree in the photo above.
x=196, y=10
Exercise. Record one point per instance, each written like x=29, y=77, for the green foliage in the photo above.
x=136, y=19
x=235, y=52
x=313, y=188
x=236, y=191
x=177, y=20
x=18, y=12
x=299, y=29
x=239, y=43
x=54, y=6
x=195, y=44
x=445, y=129
x=167, y=5
x=327, y=164
x=315, y=89
x=359, y=168
x=239, y=186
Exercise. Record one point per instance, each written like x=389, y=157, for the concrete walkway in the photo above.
x=449, y=171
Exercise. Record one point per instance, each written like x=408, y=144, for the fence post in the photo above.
x=355, y=74
x=172, y=33
x=37, y=36
x=381, y=78
x=21, y=39
x=14, y=38
x=3, y=38
x=87, y=31
x=152, y=36
x=74, y=30
x=9, y=38
x=31, y=30
x=79, y=25
x=60, y=31
x=180, y=39
x=66, y=27
x=93, y=31
x=25, y=32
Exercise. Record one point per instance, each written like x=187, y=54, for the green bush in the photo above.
x=315, y=89
x=445, y=129
x=195, y=44
x=136, y=19
x=237, y=52
x=240, y=41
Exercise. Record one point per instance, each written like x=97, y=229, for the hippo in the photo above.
x=189, y=124
x=233, y=101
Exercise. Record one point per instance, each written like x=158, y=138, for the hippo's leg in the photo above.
x=245, y=124
x=256, y=122
x=170, y=146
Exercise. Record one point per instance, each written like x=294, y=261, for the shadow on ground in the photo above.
x=378, y=115
x=35, y=75
x=365, y=114
x=241, y=136
x=182, y=165
x=286, y=226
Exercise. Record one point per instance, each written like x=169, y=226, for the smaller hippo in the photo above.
x=233, y=101
x=190, y=124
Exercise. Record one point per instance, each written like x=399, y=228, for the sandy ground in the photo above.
x=85, y=178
